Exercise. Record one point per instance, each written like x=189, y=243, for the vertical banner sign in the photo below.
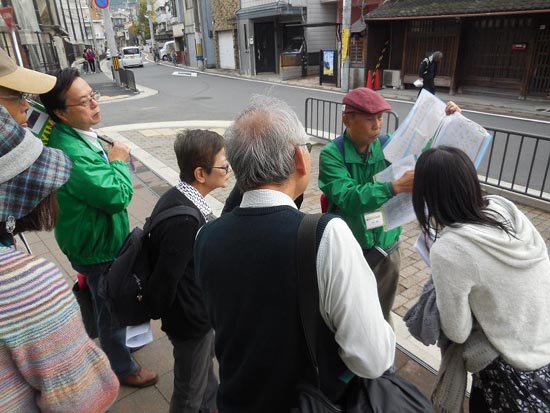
x=345, y=44
x=7, y=15
x=102, y=4
x=328, y=66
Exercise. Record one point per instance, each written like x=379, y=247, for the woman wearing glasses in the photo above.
x=175, y=297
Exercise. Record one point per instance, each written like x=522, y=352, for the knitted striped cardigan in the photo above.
x=47, y=362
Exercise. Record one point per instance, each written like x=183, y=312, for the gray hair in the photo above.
x=437, y=55
x=261, y=142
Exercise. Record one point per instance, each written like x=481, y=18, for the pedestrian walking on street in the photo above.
x=90, y=57
x=246, y=265
x=85, y=65
x=428, y=71
x=175, y=296
x=490, y=269
x=93, y=221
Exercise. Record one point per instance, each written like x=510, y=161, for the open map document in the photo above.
x=426, y=126
x=460, y=132
x=417, y=129
x=399, y=210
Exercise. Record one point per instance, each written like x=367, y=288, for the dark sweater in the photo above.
x=174, y=293
x=246, y=265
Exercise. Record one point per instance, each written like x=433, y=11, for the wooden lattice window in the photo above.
x=356, y=49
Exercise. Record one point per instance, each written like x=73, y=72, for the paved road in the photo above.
x=214, y=97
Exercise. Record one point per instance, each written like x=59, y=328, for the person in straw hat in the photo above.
x=47, y=361
x=18, y=84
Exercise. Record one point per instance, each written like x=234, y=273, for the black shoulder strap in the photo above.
x=308, y=289
x=169, y=213
x=339, y=142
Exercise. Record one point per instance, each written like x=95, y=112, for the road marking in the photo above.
x=186, y=74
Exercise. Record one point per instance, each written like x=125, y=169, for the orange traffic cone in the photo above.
x=377, y=80
x=369, y=80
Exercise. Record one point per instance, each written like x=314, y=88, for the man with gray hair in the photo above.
x=246, y=264
x=428, y=71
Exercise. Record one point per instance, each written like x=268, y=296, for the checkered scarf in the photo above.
x=196, y=198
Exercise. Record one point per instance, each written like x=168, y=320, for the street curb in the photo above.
x=183, y=124
x=144, y=91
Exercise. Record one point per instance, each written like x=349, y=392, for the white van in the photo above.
x=131, y=56
x=166, y=50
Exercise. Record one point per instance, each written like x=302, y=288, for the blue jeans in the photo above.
x=111, y=337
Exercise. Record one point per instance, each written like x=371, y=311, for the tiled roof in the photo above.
x=424, y=8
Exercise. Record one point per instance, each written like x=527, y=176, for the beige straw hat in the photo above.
x=23, y=80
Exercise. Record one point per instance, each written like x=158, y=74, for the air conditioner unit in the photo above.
x=392, y=78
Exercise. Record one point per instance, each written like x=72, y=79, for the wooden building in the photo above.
x=494, y=46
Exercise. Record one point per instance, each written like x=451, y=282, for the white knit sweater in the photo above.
x=504, y=282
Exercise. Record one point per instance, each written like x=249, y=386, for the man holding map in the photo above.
x=347, y=166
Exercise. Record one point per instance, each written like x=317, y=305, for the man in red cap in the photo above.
x=346, y=169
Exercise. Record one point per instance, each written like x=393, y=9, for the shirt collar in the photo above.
x=261, y=198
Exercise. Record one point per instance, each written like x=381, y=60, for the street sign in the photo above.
x=7, y=15
x=102, y=4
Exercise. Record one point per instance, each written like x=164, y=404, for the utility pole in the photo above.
x=344, y=67
x=109, y=33
x=150, y=17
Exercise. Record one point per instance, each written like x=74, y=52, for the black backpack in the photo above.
x=123, y=287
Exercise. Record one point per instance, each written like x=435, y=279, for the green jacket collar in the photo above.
x=68, y=130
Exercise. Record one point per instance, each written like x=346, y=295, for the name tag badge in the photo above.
x=374, y=220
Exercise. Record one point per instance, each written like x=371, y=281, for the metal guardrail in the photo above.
x=517, y=162
x=323, y=119
x=127, y=79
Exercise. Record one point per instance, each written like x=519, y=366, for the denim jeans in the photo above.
x=111, y=337
x=195, y=385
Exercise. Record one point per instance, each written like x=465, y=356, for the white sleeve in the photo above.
x=349, y=304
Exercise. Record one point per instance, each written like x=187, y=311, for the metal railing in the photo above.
x=127, y=79
x=515, y=161
x=323, y=119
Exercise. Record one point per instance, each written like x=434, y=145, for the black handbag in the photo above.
x=386, y=394
x=87, y=309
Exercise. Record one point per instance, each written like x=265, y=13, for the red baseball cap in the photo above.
x=363, y=100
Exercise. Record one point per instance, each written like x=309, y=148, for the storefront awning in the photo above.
x=270, y=10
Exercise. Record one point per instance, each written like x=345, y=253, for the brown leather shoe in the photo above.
x=140, y=378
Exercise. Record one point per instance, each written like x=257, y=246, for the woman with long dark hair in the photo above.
x=490, y=269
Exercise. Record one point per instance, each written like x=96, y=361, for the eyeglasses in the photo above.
x=20, y=96
x=95, y=95
x=226, y=168
x=307, y=145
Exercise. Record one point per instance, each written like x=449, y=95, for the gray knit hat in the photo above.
x=29, y=171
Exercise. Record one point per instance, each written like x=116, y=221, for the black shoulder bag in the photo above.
x=386, y=394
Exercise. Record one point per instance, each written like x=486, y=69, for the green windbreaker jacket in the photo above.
x=351, y=196
x=93, y=222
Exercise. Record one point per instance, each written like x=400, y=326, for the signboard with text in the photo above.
x=7, y=15
x=329, y=66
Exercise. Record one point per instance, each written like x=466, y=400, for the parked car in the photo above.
x=131, y=56
x=166, y=50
